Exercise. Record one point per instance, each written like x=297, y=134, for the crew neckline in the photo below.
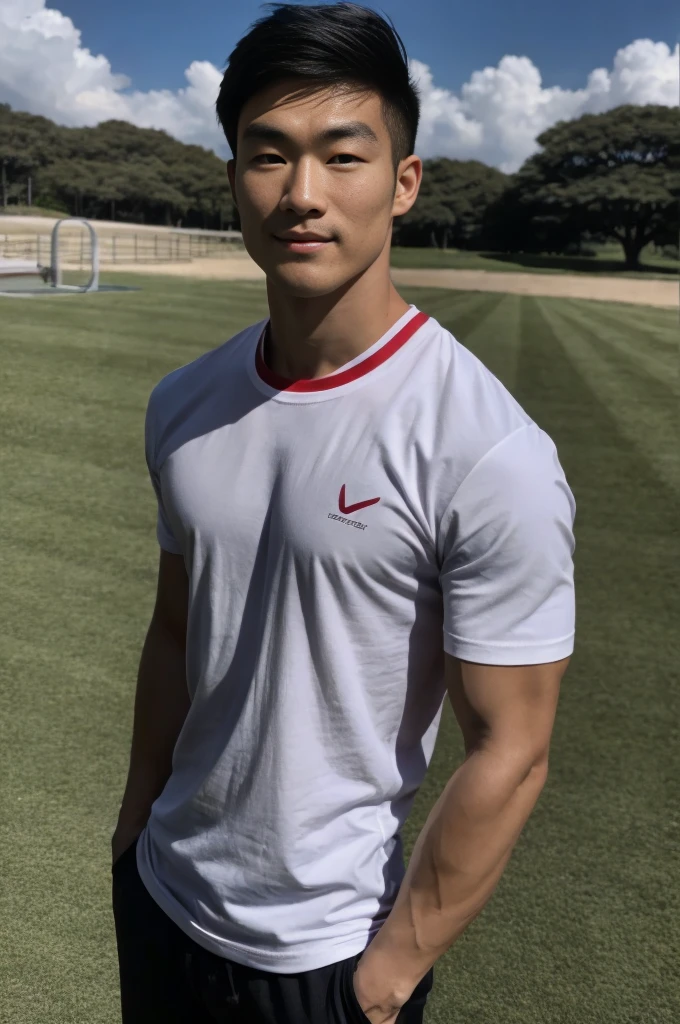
x=338, y=381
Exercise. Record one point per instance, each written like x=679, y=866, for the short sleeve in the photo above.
x=506, y=548
x=164, y=533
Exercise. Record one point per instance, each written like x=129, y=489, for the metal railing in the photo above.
x=123, y=247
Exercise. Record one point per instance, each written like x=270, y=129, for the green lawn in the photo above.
x=608, y=261
x=584, y=925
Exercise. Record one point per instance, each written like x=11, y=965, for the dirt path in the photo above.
x=605, y=289
x=573, y=286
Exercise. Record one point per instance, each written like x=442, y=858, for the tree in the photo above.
x=113, y=170
x=614, y=175
x=27, y=142
x=451, y=204
x=70, y=182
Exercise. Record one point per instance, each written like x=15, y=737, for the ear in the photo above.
x=409, y=177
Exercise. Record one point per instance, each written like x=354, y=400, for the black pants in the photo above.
x=167, y=978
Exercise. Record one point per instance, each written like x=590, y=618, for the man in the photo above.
x=355, y=519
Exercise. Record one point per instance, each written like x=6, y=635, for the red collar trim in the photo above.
x=336, y=380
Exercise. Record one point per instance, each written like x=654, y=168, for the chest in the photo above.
x=354, y=500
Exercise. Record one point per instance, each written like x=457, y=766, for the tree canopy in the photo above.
x=613, y=176
x=453, y=198
x=115, y=171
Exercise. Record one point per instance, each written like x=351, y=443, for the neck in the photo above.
x=312, y=337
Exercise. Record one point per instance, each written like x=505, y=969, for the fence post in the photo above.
x=113, y=247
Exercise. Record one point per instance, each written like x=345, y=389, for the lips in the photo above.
x=304, y=246
x=302, y=238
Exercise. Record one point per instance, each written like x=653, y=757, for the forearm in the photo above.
x=161, y=706
x=456, y=864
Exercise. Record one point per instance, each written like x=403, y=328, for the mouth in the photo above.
x=303, y=245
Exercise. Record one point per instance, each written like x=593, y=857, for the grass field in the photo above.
x=583, y=928
x=608, y=261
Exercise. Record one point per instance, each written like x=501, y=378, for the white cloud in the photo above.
x=495, y=118
x=502, y=109
x=45, y=69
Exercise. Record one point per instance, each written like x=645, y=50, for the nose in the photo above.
x=304, y=189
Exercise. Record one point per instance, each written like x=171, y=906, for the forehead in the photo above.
x=302, y=110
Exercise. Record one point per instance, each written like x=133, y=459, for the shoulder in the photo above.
x=189, y=390
x=474, y=411
x=481, y=404
x=520, y=477
x=200, y=372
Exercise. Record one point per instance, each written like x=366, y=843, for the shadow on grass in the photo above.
x=579, y=264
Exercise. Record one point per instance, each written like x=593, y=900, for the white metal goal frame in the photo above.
x=56, y=268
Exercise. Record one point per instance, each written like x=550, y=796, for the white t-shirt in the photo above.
x=339, y=536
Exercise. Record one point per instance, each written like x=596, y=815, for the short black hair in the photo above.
x=327, y=45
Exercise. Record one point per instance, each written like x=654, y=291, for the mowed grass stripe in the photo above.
x=462, y=320
x=457, y=311
x=662, y=363
x=496, y=339
x=620, y=498
x=626, y=522
x=439, y=303
x=644, y=325
x=659, y=318
x=645, y=410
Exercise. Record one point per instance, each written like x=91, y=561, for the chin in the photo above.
x=306, y=281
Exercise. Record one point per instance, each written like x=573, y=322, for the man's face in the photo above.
x=290, y=178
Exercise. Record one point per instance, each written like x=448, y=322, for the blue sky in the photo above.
x=152, y=43
x=492, y=75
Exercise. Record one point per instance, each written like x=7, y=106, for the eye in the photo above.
x=264, y=157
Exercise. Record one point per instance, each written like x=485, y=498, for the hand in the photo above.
x=379, y=1006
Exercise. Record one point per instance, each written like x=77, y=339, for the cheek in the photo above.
x=257, y=198
x=366, y=207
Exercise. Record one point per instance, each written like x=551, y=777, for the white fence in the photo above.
x=124, y=247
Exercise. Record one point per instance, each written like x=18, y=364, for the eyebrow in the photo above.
x=263, y=132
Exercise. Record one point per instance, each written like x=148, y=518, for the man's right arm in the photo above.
x=161, y=702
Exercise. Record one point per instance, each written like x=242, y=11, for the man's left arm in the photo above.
x=506, y=714
x=506, y=572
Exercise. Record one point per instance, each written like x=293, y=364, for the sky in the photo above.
x=492, y=75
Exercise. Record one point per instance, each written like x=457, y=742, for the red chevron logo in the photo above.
x=348, y=509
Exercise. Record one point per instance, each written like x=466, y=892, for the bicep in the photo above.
x=508, y=707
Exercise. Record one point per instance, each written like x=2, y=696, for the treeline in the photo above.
x=114, y=171
x=603, y=177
